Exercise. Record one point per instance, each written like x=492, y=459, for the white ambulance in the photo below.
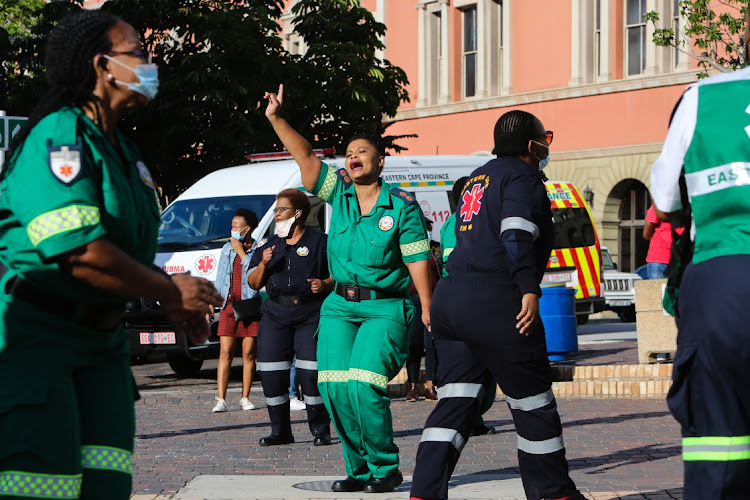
x=196, y=225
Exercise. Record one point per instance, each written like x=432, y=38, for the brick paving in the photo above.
x=617, y=448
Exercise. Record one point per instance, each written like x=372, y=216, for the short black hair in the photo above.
x=513, y=131
x=299, y=200
x=250, y=218
x=375, y=141
x=458, y=187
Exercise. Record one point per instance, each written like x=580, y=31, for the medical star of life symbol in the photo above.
x=472, y=202
x=66, y=170
x=205, y=264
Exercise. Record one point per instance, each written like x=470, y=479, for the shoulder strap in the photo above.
x=402, y=195
x=344, y=176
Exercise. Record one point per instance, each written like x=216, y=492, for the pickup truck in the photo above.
x=619, y=289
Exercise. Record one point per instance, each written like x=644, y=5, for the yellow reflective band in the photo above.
x=60, y=221
x=32, y=485
x=447, y=252
x=328, y=184
x=333, y=376
x=106, y=458
x=716, y=448
x=373, y=378
x=415, y=248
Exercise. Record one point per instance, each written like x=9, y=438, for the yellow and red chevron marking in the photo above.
x=587, y=260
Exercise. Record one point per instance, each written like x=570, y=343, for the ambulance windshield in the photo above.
x=205, y=223
x=573, y=228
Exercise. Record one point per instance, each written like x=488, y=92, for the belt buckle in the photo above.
x=351, y=293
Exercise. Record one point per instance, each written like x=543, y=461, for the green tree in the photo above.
x=710, y=37
x=216, y=59
x=347, y=89
x=17, y=17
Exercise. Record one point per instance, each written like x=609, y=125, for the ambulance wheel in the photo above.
x=184, y=366
x=582, y=319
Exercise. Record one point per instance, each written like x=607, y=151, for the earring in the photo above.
x=110, y=77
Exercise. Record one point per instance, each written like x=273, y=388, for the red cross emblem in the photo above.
x=66, y=170
x=472, y=202
x=205, y=264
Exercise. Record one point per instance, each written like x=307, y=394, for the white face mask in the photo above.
x=283, y=227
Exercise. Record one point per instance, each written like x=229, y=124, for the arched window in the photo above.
x=632, y=214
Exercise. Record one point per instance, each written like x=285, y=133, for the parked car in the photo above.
x=619, y=288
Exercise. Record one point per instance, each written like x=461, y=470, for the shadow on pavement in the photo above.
x=206, y=430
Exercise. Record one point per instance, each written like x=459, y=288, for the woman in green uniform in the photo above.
x=77, y=237
x=377, y=244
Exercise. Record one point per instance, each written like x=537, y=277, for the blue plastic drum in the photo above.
x=557, y=309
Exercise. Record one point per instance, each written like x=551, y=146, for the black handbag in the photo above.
x=247, y=310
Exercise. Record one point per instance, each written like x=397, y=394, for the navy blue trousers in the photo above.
x=710, y=397
x=473, y=322
x=286, y=331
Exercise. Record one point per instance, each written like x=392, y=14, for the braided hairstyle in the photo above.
x=513, y=131
x=70, y=48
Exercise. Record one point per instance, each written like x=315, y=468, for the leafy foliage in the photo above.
x=711, y=37
x=216, y=59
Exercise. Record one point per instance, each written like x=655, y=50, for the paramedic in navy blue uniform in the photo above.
x=293, y=266
x=485, y=318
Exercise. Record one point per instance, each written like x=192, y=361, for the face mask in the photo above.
x=238, y=235
x=148, y=78
x=283, y=227
x=544, y=163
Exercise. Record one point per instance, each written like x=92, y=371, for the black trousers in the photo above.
x=709, y=396
x=284, y=332
x=473, y=322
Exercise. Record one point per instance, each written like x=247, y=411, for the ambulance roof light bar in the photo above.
x=284, y=155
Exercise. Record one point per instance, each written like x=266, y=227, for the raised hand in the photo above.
x=274, y=102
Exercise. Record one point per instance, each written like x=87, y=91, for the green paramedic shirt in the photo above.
x=51, y=203
x=448, y=239
x=370, y=250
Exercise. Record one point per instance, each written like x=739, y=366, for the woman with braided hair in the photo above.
x=77, y=237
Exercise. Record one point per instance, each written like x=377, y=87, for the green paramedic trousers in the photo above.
x=67, y=420
x=361, y=346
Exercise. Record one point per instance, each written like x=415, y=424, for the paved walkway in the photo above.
x=617, y=448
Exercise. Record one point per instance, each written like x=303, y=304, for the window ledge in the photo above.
x=592, y=89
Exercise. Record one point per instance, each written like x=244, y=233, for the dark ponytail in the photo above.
x=70, y=48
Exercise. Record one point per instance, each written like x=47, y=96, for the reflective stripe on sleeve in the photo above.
x=519, y=223
x=333, y=376
x=443, y=435
x=415, y=247
x=369, y=377
x=541, y=447
x=278, y=400
x=106, y=458
x=459, y=391
x=532, y=402
x=716, y=448
x=32, y=485
x=313, y=400
x=304, y=364
x=60, y=221
x=273, y=366
x=328, y=184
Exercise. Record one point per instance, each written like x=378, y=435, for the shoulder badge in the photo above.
x=65, y=161
x=344, y=176
x=144, y=173
x=402, y=195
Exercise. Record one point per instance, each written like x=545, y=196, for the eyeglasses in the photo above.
x=278, y=210
x=140, y=54
x=548, y=135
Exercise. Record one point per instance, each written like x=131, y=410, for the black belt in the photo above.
x=294, y=300
x=356, y=293
x=92, y=316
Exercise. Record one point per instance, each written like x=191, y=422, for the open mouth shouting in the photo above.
x=355, y=166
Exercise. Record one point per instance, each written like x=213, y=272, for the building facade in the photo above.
x=586, y=68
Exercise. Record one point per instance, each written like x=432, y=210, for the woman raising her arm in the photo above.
x=377, y=244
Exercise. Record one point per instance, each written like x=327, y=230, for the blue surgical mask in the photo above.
x=238, y=235
x=148, y=78
x=544, y=163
